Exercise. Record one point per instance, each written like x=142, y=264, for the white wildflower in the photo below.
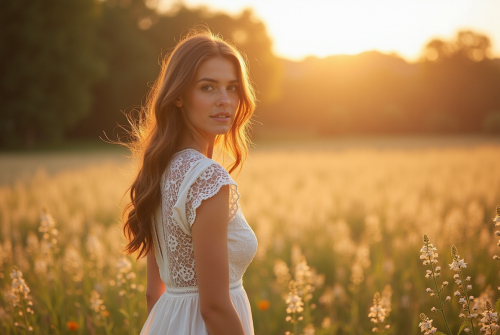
x=426, y=325
x=457, y=265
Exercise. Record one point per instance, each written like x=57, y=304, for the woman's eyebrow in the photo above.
x=216, y=81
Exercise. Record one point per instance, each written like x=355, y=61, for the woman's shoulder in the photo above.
x=184, y=159
x=188, y=157
x=195, y=164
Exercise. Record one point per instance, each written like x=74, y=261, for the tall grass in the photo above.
x=342, y=225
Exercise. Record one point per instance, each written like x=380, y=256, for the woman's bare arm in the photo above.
x=212, y=266
x=155, y=286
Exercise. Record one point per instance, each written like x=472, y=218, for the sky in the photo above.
x=327, y=27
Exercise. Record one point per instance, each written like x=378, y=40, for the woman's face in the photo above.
x=212, y=98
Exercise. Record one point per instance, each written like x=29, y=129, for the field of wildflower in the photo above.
x=351, y=241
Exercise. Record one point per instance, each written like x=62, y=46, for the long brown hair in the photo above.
x=157, y=132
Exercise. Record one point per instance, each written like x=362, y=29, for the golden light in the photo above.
x=356, y=26
x=324, y=27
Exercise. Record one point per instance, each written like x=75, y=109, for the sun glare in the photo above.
x=354, y=27
x=317, y=27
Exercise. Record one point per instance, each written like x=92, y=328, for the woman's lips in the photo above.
x=221, y=117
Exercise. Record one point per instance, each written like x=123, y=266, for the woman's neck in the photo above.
x=203, y=145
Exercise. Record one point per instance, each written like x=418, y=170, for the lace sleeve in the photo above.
x=206, y=186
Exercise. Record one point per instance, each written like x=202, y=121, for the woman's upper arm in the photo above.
x=155, y=286
x=209, y=233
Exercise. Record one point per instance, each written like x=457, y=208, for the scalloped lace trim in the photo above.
x=206, y=186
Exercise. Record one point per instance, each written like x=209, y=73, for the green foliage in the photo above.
x=73, y=67
x=132, y=62
x=497, y=306
x=49, y=63
x=462, y=326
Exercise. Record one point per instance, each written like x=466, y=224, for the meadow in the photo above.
x=336, y=222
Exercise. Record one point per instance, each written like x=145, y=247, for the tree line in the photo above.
x=70, y=69
x=73, y=68
x=453, y=88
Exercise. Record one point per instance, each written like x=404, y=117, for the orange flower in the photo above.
x=106, y=313
x=72, y=325
x=263, y=305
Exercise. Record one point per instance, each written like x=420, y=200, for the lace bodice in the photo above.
x=189, y=179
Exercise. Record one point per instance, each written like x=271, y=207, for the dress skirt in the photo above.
x=177, y=311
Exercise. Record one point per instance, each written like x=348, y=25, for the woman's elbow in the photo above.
x=151, y=298
x=213, y=310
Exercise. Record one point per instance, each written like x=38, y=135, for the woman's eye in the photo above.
x=206, y=87
x=234, y=88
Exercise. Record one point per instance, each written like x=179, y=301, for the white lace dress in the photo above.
x=189, y=179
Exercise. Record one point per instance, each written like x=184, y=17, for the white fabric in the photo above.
x=189, y=179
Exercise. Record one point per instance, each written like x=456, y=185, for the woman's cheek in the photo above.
x=202, y=102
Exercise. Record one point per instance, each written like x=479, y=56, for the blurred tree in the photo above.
x=48, y=63
x=473, y=46
x=459, y=77
x=453, y=88
x=491, y=122
x=341, y=94
x=132, y=62
x=468, y=46
x=437, y=50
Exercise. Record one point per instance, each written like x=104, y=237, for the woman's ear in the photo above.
x=178, y=102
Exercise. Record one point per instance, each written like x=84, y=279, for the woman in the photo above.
x=184, y=213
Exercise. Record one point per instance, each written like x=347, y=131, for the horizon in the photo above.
x=393, y=54
x=442, y=20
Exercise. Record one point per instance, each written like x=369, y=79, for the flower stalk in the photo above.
x=21, y=300
x=378, y=315
x=489, y=320
x=496, y=220
x=464, y=287
x=294, y=306
x=429, y=257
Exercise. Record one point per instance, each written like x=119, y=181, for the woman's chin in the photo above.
x=221, y=130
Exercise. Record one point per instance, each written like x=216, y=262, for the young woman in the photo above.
x=184, y=213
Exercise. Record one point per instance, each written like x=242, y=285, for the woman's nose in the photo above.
x=224, y=98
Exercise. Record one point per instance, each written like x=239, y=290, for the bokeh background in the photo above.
x=377, y=122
